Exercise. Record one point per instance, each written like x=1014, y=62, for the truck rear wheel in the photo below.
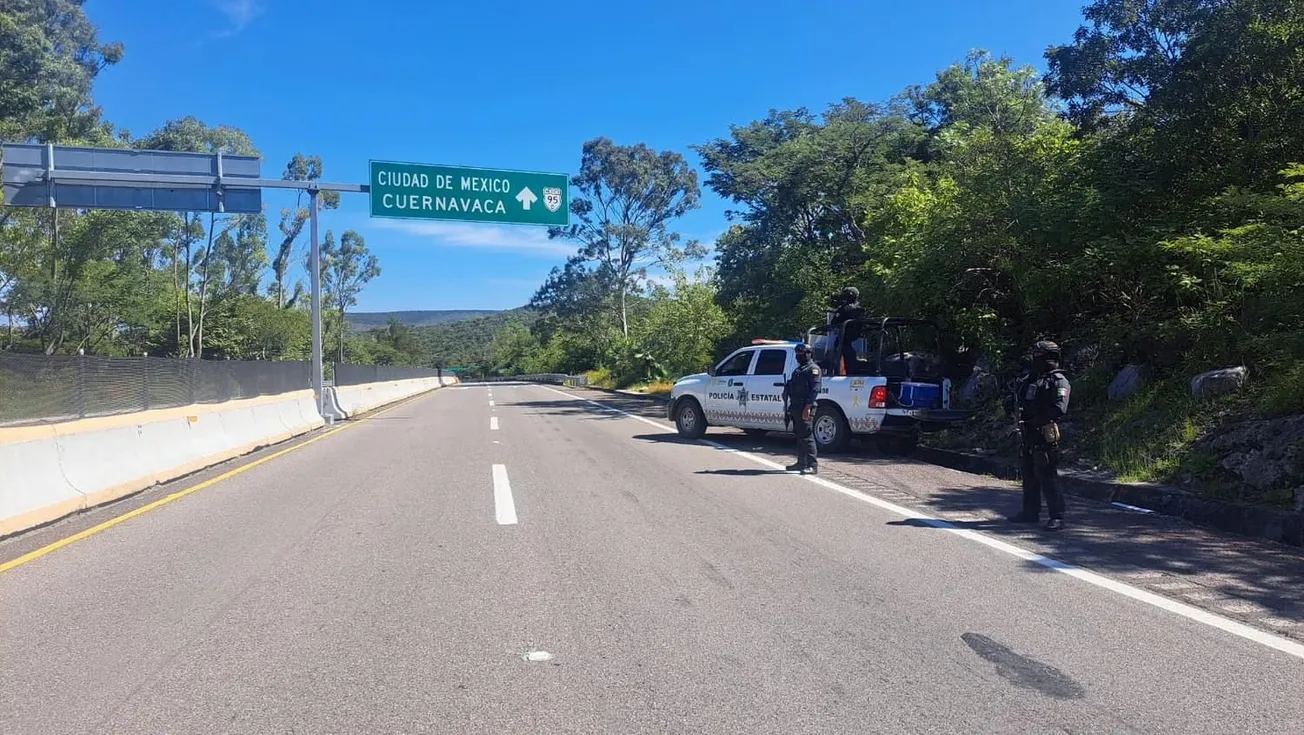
x=830, y=428
x=689, y=419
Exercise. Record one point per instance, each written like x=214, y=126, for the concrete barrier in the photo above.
x=53, y=470
x=351, y=400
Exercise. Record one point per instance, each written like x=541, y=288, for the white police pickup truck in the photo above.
x=887, y=389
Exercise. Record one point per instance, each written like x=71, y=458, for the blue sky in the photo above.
x=520, y=84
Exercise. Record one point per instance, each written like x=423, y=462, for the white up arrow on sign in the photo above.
x=526, y=198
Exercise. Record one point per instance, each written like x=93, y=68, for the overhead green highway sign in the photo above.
x=428, y=191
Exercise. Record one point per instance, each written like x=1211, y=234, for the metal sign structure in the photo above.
x=109, y=178
x=46, y=175
x=433, y=192
x=99, y=178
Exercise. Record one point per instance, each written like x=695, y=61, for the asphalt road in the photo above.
x=580, y=570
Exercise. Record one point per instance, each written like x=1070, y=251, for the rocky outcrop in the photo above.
x=1265, y=454
x=1125, y=384
x=980, y=386
x=1218, y=382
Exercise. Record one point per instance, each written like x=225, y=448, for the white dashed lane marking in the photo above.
x=504, y=506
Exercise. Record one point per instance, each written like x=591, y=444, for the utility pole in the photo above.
x=318, y=369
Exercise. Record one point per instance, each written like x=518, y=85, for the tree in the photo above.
x=249, y=327
x=345, y=269
x=1130, y=49
x=394, y=344
x=300, y=168
x=806, y=188
x=195, y=267
x=49, y=57
x=683, y=326
x=244, y=257
x=627, y=197
x=1198, y=95
x=515, y=350
x=400, y=338
x=79, y=291
x=983, y=92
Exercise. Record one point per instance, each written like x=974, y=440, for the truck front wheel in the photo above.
x=689, y=419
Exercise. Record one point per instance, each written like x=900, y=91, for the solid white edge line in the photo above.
x=1134, y=508
x=504, y=506
x=1187, y=611
x=493, y=423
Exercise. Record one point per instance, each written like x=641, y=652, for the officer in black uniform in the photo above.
x=1042, y=398
x=801, y=392
x=848, y=307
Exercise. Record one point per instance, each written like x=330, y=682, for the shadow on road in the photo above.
x=743, y=473
x=664, y=438
x=1170, y=556
x=564, y=408
x=1116, y=541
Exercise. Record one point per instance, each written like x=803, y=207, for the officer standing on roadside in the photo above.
x=1042, y=399
x=802, y=390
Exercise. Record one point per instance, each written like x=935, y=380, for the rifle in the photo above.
x=787, y=413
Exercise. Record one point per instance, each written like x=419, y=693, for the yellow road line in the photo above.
x=34, y=555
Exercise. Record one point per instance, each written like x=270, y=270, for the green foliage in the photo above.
x=366, y=321
x=249, y=327
x=515, y=350
x=1149, y=437
x=293, y=219
x=600, y=378
x=682, y=327
x=1282, y=388
x=49, y=57
x=624, y=198
x=346, y=268
x=467, y=341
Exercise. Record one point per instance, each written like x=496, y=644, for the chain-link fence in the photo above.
x=347, y=374
x=48, y=388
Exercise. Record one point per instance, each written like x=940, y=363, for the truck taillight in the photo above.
x=878, y=397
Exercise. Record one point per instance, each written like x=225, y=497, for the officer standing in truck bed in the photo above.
x=801, y=392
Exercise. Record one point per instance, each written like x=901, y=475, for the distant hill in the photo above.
x=467, y=341
x=364, y=320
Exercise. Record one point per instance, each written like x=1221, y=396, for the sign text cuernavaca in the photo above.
x=426, y=191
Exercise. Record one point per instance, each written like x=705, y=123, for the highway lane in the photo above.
x=367, y=583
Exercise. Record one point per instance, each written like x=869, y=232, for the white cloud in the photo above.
x=239, y=12
x=524, y=240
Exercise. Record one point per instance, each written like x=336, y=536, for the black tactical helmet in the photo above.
x=851, y=293
x=803, y=348
x=1046, y=349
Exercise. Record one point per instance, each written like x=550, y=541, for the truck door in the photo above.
x=765, y=389
x=723, y=407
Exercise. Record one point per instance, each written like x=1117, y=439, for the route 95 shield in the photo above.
x=551, y=198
